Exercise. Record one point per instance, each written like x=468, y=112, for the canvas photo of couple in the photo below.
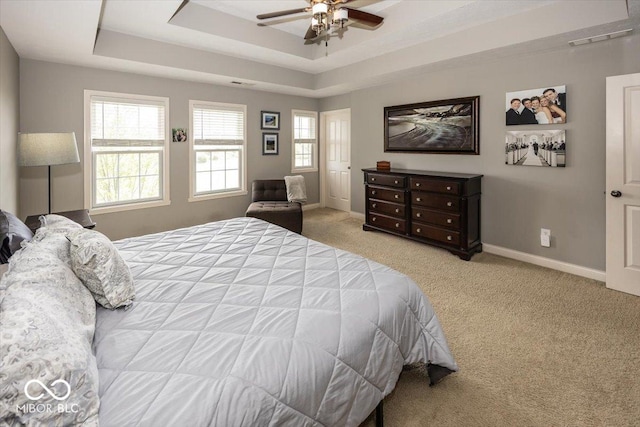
x=537, y=106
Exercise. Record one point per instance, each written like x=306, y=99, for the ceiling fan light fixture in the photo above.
x=320, y=11
x=340, y=16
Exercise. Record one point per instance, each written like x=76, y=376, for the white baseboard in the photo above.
x=578, y=270
x=311, y=206
x=357, y=215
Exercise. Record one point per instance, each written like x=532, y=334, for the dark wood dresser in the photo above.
x=437, y=208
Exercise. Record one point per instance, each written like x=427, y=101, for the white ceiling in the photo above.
x=220, y=41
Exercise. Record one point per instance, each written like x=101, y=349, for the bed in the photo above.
x=244, y=323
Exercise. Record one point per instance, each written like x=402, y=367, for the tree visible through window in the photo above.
x=218, y=148
x=128, y=143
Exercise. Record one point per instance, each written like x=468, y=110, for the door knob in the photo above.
x=616, y=193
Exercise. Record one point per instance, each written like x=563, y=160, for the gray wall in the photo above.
x=51, y=100
x=9, y=122
x=517, y=201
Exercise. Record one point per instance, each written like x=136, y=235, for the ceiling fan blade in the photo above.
x=311, y=34
x=282, y=13
x=364, y=17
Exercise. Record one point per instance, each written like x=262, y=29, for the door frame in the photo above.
x=322, y=153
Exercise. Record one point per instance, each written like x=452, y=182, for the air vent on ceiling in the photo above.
x=234, y=82
x=600, y=38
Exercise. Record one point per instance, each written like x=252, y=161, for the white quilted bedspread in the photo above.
x=243, y=323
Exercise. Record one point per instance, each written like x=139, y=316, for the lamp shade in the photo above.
x=47, y=149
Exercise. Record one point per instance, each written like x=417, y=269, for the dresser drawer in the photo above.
x=386, y=194
x=389, y=180
x=435, y=186
x=392, y=209
x=435, y=233
x=436, y=201
x=444, y=219
x=393, y=224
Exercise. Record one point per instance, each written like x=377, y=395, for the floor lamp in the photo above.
x=47, y=149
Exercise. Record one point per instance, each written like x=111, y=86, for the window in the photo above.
x=126, y=153
x=218, y=146
x=305, y=141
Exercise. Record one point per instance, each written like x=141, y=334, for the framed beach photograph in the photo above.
x=269, y=143
x=446, y=127
x=545, y=148
x=270, y=120
x=542, y=106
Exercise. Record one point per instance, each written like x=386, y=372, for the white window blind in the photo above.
x=122, y=123
x=218, y=125
x=128, y=139
x=304, y=140
x=218, y=148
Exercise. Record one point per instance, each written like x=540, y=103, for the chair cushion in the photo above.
x=285, y=214
x=268, y=189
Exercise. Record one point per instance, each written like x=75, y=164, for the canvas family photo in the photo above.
x=536, y=148
x=449, y=126
x=537, y=106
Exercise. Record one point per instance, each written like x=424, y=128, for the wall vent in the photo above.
x=601, y=37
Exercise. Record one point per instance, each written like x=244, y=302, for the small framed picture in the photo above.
x=179, y=134
x=270, y=120
x=269, y=143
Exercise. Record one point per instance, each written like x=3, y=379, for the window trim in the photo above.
x=88, y=155
x=192, y=176
x=314, y=167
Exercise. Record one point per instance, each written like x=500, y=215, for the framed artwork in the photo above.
x=450, y=126
x=270, y=120
x=543, y=106
x=179, y=134
x=546, y=148
x=269, y=143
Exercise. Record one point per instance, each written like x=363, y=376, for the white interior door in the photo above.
x=623, y=183
x=337, y=143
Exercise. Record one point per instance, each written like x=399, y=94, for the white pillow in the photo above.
x=98, y=264
x=296, y=190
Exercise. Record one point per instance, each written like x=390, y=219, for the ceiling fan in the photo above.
x=327, y=14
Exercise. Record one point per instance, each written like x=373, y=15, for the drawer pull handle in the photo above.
x=418, y=199
x=418, y=230
x=395, y=182
x=373, y=192
x=448, y=220
x=418, y=215
x=397, y=225
x=448, y=188
x=396, y=196
x=417, y=184
x=375, y=205
x=373, y=179
x=448, y=237
x=373, y=219
x=449, y=204
x=397, y=210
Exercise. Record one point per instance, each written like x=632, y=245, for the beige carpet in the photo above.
x=536, y=347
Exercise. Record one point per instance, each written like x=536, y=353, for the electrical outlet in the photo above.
x=545, y=237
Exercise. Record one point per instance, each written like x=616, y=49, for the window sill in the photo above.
x=217, y=196
x=129, y=207
x=308, y=170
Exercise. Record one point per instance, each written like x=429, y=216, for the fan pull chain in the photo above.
x=326, y=45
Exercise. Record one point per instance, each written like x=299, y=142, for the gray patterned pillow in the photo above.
x=49, y=374
x=58, y=223
x=98, y=264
